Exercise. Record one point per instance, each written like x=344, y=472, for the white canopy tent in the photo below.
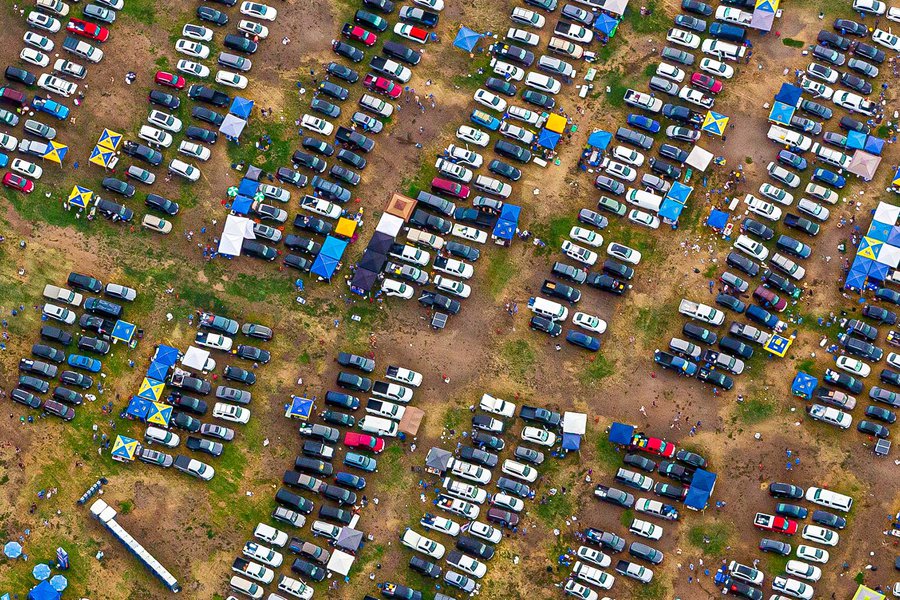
x=699, y=158
x=389, y=224
x=574, y=422
x=340, y=562
x=198, y=359
x=236, y=230
x=887, y=213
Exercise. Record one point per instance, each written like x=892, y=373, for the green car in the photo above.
x=613, y=206
x=365, y=18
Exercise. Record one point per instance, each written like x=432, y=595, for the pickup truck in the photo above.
x=540, y=415
x=321, y=207
x=436, y=523
x=458, y=507
x=217, y=323
x=383, y=408
x=634, y=570
x=675, y=363
x=424, y=238
x=214, y=340
x=560, y=290
x=82, y=49
x=392, y=391
x=893, y=338
x=391, y=69
x=194, y=467
x=574, y=31
x=51, y=292
x=701, y=312
x=404, y=376
x=253, y=570
x=656, y=508
x=642, y=100
x=454, y=267
x=184, y=380
x=760, y=315
x=497, y=406
x=773, y=523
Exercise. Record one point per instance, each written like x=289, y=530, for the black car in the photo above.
x=755, y=228
x=293, y=501
x=84, y=282
x=347, y=51
x=675, y=471
x=20, y=75
x=341, y=400
x=673, y=152
x=552, y=328
x=698, y=333
x=484, y=439
x=790, y=510
x=351, y=158
x=204, y=445
x=475, y=547
x=875, y=429
x=690, y=23
x=890, y=377
x=309, y=161
x=92, y=344
x=641, y=462
x=385, y=6
x=870, y=52
x=298, y=262
x=334, y=90
x=829, y=55
x=164, y=99
x=141, y=152
x=211, y=15
x=463, y=251
x=37, y=367
x=816, y=109
x=481, y=457
x=240, y=375
x=742, y=263
x=208, y=95
x=846, y=26
x=118, y=186
x=338, y=418
x=775, y=547
x=258, y=250
x=538, y=99
x=159, y=203
x=420, y=565
x=605, y=539
x=681, y=114
x=422, y=219
x=401, y=52
x=352, y=381
x=394, y=590
x=201, y=135
x=439, y=302
x=354, y=139
x=851, y=124
x=882, y=414
x=828, y=519
x=317, y=145
x=342, y=72
x=292, y=177
x=513, y=53
x=855, y=83
x=325, y=107
x=49, y=352
x=666, y=169
x=371, y=20
x=185, y=421
x=785, y=490
x=730, y=302
x=25, y=397
x=696, y=7
x=55, y=334
x=207, y=115
x=77, y=379
x=240, y=43
x=879, y=314
x=736, y=346
x=68, y=396
x=827, y=38
x=504, y=170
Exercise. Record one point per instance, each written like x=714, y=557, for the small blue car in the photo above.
x=364, y=463
x=580, y=339
x=84, y=362
x=350, y=480
x=50, y=107
x=642, y=122
x=829, y=178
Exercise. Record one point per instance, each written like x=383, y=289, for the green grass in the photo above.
x=125, y=506
x=597, y=369
x=142, y=11
x=553, y=233
x=883, y=132
x=653, y=321
x=518, y=358
x=615, y=81
x=655, y=590
x=472, y=79
x=626, y=517
x=499, y=271
x=284, y=139
x=754, y=410
x=260, y=289
x=454, y=417
x=555, y=510
x=792, y=43
x=607, y=453
x=655, y=22
x=390, y=463
x=421, y=181
x=711, y=538
x=805, y=365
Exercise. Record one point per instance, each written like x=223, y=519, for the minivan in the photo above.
x=234, y=61
x=457, y=190
x=379, y=426
x=828, y=498
x=548, y=309
x=13, y=96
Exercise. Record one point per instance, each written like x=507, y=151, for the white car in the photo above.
x=197, y=469
x=893, y=359
x=873, y=7
x=776, y=194
x=822, y=73
x=854, y=103
x=326, y=530
x=542, y=83
x=467, y=564
x=260, y=11
x=830, y=415
x=646, y=529
x=519, y=471
x=273, y=192
x=589, y=322
x=816, y=89
x=523, y=37
x=121, y=292
x=762, y=208
x=586, y=236
x=717, y=68
x=420, y=543
x=58, y=313
x=471, y=472
x=194, y=150
x=413, y=255
x=593, y=575
x=192, y=48
x=265, y=555
x=803, y=570
x=813, y=209
x=497, y=406
x=730, y=14
x=788, y=266
x=643, y=218
x=507, y=70
x=822, y=193
x=523, y=16
x=670, y=72
x=623, y=252
x=893, y=14
x=696, y=97
x=473, y=136
x=397, y=289
x=435, y=5
x=38, y=41
x=821, y=535
x=453, y=170
x=32, y=56
x=523, y=114
x=197, y=32
x=156, y=435
x=490, y=100
x=792, y=587
x=593, y=555
x=539, y=436
x=254, y=571
x=155, y=136
x=189, y=67
x=231, y=412
x=853, y=365
x=457, y=268
x=619, y=170
x=751, y=247
x=451, y=286
x=42, y=21
x=484, y=532
x=113, y=4
x=683, y=38
x=57, y=7
x=316, y=124
x=164, y=120
x=26, y=168
x=579, y=253
x=270, y=535
x=8, y=142
x=632, y=157
x=253, y=28
x=464, y=156
x=576, y=590
x=440, y=524
x=516, y=133
x=574, y=31
x=812, y=553
x=231, y=79
x=469, y=233
x=56, y=85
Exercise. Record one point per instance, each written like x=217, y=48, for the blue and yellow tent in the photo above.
x=80, y=196
x=151, y=389
x=110, y=139
x=869, y=247
x=102, y=156
x=714, y=123
x=778, y=345
x=124, y=448
x=56, y=152
x=159, y=414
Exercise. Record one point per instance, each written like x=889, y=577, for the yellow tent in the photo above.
x=556, y=123
x=56, y=152
x=345, y=228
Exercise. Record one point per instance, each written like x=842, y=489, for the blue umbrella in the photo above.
x=59, y=582
x=12, y=549
x=41, y=571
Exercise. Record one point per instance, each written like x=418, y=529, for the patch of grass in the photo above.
x=553, y=233
x=711, y=538
x=518, y=358
x=615, y=81
x=650, y=70
x=883, y=132
x=711, y=270
x=499, y=271
x=655, y=590
x=597, y=369
x=281, y=147
x=142, y=11
x=748, y=160
x=554, y=509
x=776, y=563
x=754, y=410
x=259, y=289
x=653, y=321
x=421, y=181
x=805, y=365
x=607, y=453
x=390, y=463
x=792, y=43
x=655, y=22
x=125, y=506
x=626, y=517
x=454, y=417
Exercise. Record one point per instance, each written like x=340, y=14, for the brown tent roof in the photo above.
x=401, y=206
x=412, y=420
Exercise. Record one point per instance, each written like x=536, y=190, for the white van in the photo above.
x=246, y=587
x=548, y=309
x=379, y=426
x=828, y=498
x=723, y=50
x=643, y=199
x=789, y=138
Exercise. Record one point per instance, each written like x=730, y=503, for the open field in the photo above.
x=196, y=529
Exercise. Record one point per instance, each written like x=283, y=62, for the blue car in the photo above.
x=364, y=463
x=761, y=316
x=4, y=160
x=887, y=295
x=585, y=341
x=50, y=107
x=350, y=480
x=792, y=246
x=479, y=117
x=829, y=178
x=84, y=362
x=642, y=122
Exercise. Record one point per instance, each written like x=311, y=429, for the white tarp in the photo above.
x=340, y=562
x=198, y=359
x=236, y=230
x=574, y=422
x=699, y=158
x=390, y=224
x=887, y=213
x=889, y=255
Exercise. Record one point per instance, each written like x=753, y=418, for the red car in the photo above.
x=88, y=30
x=705, y=82
x=361, y=440
x=769, y=299
x=654, y=445
x=168, y=79
x=356, y=33
x=776, y=524
x=17, y=182
x=382, y=86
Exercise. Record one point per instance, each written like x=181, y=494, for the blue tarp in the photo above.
x=859, y=271
x=680, y=192
x=803, y=385
x=166, y=355
x=329, y=257
x=506, y=225
x=781, y=113
x=717, y=219
x=605, y=24
x=548, y=139
x=620, y=433
x=241, y=107
x=893, y=237
x=300, y=408
x=123, y=331
x=599, y=139
x=241, y=205
x=138, y=408
x=702, y=485
x=856, y=140
x=670, y=209
x=874, y=145
x=157, y=370
x=571, y=441
x=467, y=39
x=248, y=187
x=789, y=94
x=43, y=591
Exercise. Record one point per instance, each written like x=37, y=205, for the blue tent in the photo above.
x=248, y=187
x=781, y=113
x=43, y=591
x=680, y=192
x=859, y=272
x=300, y=408
x=670, y=209
x=548, y=139
x=856, y=140
x=467, y=39
x=717, y=219
x=157, y=371
x=702, y=485
x=893, y=237
x=123, y=331
x=138, y=408
x=789, y=94
x=879, y=271
x=599, y=139
x=506, y=225
x=620, y=433
x=879, y=231
x=166, y=355
x=241, y=205
x=241, y=107
x=874, y=145
x=329, y=257
x=571, y=441
x=605, y=24
x=803, y=385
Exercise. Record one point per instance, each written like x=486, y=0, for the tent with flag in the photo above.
x=124, y=448
x=241, y=107
x=606, y=25
x=80, y=196
x=151, y=389
x=103, y=157
x=110, y=139
x=467, y=39
x=56, y=152
x=123, y=332
x=299, y=408
x=159, y=414
x=548, y=139
x=329, y=256
x=715, y=123
x=599, y=139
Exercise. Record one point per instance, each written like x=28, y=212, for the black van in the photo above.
x=724, y=31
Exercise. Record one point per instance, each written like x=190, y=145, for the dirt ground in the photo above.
x=196, y=530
